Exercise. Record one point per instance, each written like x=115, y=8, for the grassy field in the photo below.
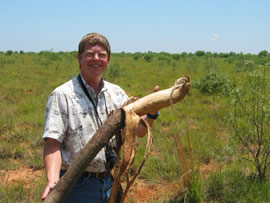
x=204, y=120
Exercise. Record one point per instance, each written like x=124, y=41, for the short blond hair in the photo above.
x=95, y=39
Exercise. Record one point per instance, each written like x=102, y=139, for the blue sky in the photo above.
x=172, y=26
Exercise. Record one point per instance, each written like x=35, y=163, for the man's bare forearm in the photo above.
x=52, y=159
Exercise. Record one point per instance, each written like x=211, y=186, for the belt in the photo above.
x=98, y=175
x=95, y=175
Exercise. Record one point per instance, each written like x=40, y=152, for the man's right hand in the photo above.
x=47, y=190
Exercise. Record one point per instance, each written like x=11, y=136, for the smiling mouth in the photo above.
x=96, y=66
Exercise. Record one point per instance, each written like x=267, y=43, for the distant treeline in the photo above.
x=138, y=55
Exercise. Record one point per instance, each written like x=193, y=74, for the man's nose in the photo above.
x=96, y=56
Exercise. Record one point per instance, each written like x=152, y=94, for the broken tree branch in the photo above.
x=116, y=121
x=161, y=99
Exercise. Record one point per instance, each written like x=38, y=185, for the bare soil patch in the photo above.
x=24, y=174
x=144, y=191
x=207, y=169
x=141, y=191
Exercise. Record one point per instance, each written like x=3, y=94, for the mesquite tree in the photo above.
x=250, y=118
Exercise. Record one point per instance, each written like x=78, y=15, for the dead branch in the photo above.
x=116, y=121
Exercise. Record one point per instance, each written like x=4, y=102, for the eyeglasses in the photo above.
x=92, y=55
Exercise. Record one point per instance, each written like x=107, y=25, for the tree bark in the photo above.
x=116, y=121
x=87, y=154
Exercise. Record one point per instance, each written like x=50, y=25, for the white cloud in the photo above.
x=215, y=36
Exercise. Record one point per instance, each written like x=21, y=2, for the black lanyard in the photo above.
x=99, y=122
x=110, y=153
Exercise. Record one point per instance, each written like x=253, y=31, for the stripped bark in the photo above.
x=116, y=121
x=161, y=99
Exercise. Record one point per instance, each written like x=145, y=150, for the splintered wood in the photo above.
x=122, y=167
x=164, y=98
x=113, y=124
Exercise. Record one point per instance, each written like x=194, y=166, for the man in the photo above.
x=74, y=112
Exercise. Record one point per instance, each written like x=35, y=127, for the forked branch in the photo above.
x=116, y=121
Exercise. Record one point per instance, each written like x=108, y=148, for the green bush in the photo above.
x=137, y=55
x=213, y=83
x=112, y=72
x=148, y=57
x=9, y=52
x=249, y=119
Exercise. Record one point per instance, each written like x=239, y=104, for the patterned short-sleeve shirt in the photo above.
x=70, y=118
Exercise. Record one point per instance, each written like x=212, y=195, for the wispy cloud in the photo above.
x=215, y=36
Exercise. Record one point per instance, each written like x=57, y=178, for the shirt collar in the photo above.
x=89, y=88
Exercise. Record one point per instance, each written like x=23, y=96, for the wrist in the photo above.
x=153, y=116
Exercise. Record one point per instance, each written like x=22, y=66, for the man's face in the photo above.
x=93, y=61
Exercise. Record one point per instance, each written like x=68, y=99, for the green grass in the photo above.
x=28, y=79
x=20, y=192
x=234, y=186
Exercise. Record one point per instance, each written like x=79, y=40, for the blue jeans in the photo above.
x=90, y=189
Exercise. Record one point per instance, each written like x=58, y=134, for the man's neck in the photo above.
x=95, y=86
x=94, y=83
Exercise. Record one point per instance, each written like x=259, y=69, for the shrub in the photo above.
x=249, y=119
x=212, y=83
x=137, y=55
x=164, y=59
x=199, y=53
x=263, y=53
x=9, y=52
x=148, y=57
x=176, y=56
x=112, y=72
